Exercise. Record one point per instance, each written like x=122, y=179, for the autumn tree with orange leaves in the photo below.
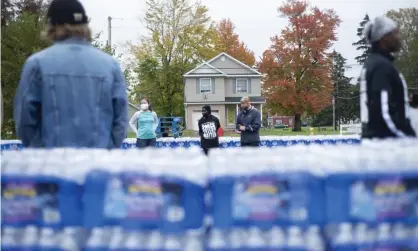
x=298, y=65
x=228, y=41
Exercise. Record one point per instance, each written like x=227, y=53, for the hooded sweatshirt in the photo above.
x=208, y=130
x=384, y=96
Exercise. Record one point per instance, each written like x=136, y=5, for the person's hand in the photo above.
x=242, y=128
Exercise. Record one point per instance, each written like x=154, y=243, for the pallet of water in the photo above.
x=304, y=198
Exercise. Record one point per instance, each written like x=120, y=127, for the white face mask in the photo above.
x=144, y=107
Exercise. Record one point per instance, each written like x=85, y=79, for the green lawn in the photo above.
x=269, y=132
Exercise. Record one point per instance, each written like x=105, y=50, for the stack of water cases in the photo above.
x=264, y=199
x=226, y=142
x=98, y=200
x=372, y=200
x=301, y=198
x=315, y=198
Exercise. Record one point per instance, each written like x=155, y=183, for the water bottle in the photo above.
x=216, y=240
x=295, y=240
x=48, y=240
x=155, y=241
x=117, y=239
x=69, y=240
x=235, y=238
x=134, y=241
x=400, y=231
x=363, y=237
x=29, y=238
x=96, y=241
x=173, y=243
x=193, y=241
x=384, y=236
x=9, y=239
x=402, y=236
x=313, y=239
x=344, y=240
x=276, y=239
x=255, y=241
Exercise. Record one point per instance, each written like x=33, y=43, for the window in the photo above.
x=241, y=85
x=205, y=85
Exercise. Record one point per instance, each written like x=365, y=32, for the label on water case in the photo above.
x=267, y=199
x=384, y=199
x=143, y=198
x=30, y=202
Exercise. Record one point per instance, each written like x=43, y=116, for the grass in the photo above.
x=268, y=132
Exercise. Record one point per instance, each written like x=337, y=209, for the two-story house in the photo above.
x=220, y=82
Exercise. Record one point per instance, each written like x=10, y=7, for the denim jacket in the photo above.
x=71, y=95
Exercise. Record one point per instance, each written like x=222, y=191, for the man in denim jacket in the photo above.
x=71, y=94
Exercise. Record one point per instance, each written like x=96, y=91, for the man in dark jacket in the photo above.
x=249, y=123
x=208, y=129
x=384, y=96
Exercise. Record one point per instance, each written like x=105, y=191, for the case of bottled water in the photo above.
x=227, y=142
x=304, y=198
x=96, y=200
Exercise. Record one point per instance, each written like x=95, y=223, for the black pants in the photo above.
x=143, y=143
x=250, y=144
x=206, y=150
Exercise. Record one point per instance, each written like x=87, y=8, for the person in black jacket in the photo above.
x=248, y=123
x=208, y=129
x=383, y=93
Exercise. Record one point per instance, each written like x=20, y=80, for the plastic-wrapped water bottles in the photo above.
x=227, y=142
x=67, y=199
x=308, y=197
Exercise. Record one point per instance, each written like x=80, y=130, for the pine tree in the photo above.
x=345, y=94
x=361, y=44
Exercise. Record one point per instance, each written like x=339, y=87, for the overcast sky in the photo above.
x=255, y=20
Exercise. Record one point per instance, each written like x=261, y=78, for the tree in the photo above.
x=20, y=39
x=297, y=66
x=180, y=35
x=228, y=41
x=346, y=97
x=22, y=24
x=407, y=58
x=362, y=44
x=7, y=12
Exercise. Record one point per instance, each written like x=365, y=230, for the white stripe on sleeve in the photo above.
x=384, y=99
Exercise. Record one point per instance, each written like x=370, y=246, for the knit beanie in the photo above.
x=378, y=28
x=66, y=12
x=207, y=108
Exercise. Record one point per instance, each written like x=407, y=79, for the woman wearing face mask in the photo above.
x=144, y=123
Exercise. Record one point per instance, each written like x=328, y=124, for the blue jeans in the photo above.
x=143, y=143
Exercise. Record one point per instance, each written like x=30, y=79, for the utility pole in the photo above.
x=333, y=112
x=109, y=31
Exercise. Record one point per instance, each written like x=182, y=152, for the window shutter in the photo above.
x=234, y=85
x=212, y=83
x=197, y=86
x=249, y=85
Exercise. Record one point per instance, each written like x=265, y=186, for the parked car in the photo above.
x=280, y=126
